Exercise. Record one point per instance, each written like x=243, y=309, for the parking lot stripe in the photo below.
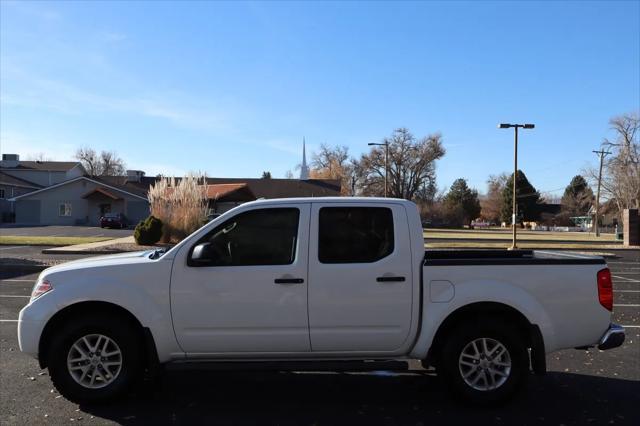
x=631, y=280
x=3, y=320
x=11, y=295
x=18, y=281
x=626, y=291
x=631, y=326
x=627, y=305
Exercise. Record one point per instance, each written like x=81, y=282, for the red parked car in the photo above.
x=113, y=220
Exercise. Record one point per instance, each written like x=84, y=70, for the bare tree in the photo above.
x=112, y=165
x=39, y=156
x=492, y=203
x=412, y=164
x=288, y=174
x=90, y=160
x=107, y=163
x=621, y=174
x=334, y=163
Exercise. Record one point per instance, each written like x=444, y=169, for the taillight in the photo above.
x=605, y=289
x=40, y=288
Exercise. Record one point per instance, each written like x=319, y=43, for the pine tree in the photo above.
x=462, y=203
x=577, y=197
x=527, y=198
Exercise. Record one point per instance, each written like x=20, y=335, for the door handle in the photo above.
x=288, y=281
x=389, y=279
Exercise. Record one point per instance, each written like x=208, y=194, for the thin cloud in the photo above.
x=69, y=99
x=35, y=9
x=26, y=147
x=293, y=148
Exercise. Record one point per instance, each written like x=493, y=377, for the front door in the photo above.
x=360, y=278
x=252, y=295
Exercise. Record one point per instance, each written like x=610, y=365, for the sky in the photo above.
x=231, y=89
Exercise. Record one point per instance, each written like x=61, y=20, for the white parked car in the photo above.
x=315, y=280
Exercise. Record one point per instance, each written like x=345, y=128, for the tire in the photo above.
x=498, y=376
x=107, y=375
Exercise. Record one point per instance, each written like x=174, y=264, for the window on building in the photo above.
x=2, y=194
x=355, y=234
x=64, y=209
x=257, y=237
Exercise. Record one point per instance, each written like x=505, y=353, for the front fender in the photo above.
x=142, y=290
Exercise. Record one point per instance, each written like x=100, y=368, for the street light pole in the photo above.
x=596, y=226
x=514, y=208
x=386, y=162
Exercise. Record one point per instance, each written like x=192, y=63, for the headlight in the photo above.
x=41, y=287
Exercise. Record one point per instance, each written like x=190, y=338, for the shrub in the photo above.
x=148, y=231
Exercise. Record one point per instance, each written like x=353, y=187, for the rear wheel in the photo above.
x=485, y=362
x=94, y=360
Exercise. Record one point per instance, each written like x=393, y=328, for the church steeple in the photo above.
x=304, y=169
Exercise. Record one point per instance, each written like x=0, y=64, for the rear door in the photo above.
x=360, y=277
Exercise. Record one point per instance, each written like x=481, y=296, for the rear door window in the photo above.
x=355, y=234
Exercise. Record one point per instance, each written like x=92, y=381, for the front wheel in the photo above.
x=485, y=362
x=93, y=360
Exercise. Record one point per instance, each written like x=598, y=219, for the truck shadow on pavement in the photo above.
x=206, y=397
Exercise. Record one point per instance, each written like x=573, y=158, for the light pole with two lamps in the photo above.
x=514, y=211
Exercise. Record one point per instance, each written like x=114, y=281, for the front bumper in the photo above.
x=612, y=338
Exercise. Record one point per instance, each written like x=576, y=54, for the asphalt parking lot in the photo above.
x=582, y=387
x=63, y=231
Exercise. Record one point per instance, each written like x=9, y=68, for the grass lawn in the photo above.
x=21, y=240
x=541, y=245
x=523, y=234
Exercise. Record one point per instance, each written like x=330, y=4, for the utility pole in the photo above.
x=596, y=227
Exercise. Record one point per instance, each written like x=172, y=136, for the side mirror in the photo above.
x=201, y=254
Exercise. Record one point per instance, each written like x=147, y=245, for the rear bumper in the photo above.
x=612, y=338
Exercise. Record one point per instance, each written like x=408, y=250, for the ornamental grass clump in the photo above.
x=181, y=205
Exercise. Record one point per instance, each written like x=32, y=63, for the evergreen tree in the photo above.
x=461, y=203
x=527, y=198
x=577, y=197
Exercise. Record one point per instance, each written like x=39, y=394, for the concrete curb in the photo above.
x=59, y=250
x=16, y=267
x=90, y=248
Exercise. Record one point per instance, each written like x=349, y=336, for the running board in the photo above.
x=337, y=366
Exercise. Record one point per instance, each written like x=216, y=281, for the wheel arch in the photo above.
x=478, y=310
x=80, y=309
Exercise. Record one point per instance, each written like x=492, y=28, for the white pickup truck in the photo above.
x=308, y=282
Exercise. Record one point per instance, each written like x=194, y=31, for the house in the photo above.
x=20, y=177
x=81, y=201
x=11, y=186
x=60, y=193
x=285, y=188
x=225, y=196
x=42, y=173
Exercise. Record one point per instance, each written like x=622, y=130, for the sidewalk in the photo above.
x=91, y=248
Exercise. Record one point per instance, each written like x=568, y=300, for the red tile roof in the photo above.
x=218, y=191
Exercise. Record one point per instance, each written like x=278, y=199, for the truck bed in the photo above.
x=507, y=257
